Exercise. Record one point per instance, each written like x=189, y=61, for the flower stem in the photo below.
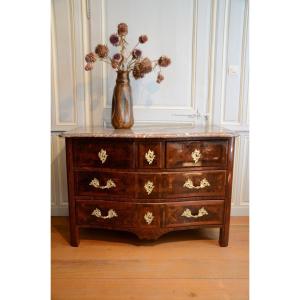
x=123, y=47
x=131, y=62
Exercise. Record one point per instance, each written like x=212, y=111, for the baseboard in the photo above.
x=59, y=211
x=240, y=211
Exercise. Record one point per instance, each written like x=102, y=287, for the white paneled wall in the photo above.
x=207, y=41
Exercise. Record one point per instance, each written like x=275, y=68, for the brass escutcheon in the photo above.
x=150, y=156
x=102, y=155
x=196, y=155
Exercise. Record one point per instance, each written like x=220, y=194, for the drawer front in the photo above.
x=103, y=154
x=104, y=184
x=150, y=155
x=148, y=216
x=196, y=154
x=193, y=184
x=106, y=213
x=178, y=214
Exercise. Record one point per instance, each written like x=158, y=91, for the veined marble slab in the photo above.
x=151, y=132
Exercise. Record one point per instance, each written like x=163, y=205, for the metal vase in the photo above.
x=122, y=112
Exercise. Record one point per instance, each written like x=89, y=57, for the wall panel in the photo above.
x=63, y=55
x=59, y=188
x=206, y=83
x=188, y=40
x=240, y=190
x=67, y=65
x=233, y=103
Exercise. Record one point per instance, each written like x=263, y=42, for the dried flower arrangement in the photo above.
x=131, y=62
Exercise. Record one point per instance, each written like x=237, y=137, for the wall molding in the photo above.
x=224, y=60
x=192, y=106
x=58, y=122
x=235, y=186
x=73, y=56
x=86, y=75
x=54, y=92
x=59, y=175
x=69, y=41
x=98, y=76
x=244, y=175
x=194, y=55
x=244, y=61
x=212, y=50
x=242, y=106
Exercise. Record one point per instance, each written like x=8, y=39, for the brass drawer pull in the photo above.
x=109, y=184
x=110, y=214
x=149, y=186
x=196, y=155
x=188, y=214
x=102, y=155
x=190, y=185
x=150, y=156
x=148, y=217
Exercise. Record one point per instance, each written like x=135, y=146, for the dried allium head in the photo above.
x=137, y=72
x=122, y=29
x=91, y=57
x=146, y=65
x=159, y=78
x=117, y=57
x=141, y=68
x=88, y=67
x=102, y=51
x=164, y=61
x=136, y=53
x=114, y=64
x=143, y=39
x=114, y=39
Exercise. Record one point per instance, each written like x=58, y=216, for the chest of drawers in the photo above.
x=149, y=181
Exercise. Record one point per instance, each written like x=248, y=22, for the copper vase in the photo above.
x=122, y=112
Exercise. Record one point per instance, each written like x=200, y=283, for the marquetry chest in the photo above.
x=149, y=181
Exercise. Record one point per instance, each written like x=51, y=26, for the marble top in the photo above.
x=151, y=132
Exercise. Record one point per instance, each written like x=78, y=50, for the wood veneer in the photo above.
x=150, y=198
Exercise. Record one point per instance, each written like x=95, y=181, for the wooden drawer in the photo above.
x=150, y=155
x=105, y=213
x=178, y=214
x=193, y=184
x=196, y=154
x=111, y=184
x=148, y=216
x=150, y=185
x=103, y=154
